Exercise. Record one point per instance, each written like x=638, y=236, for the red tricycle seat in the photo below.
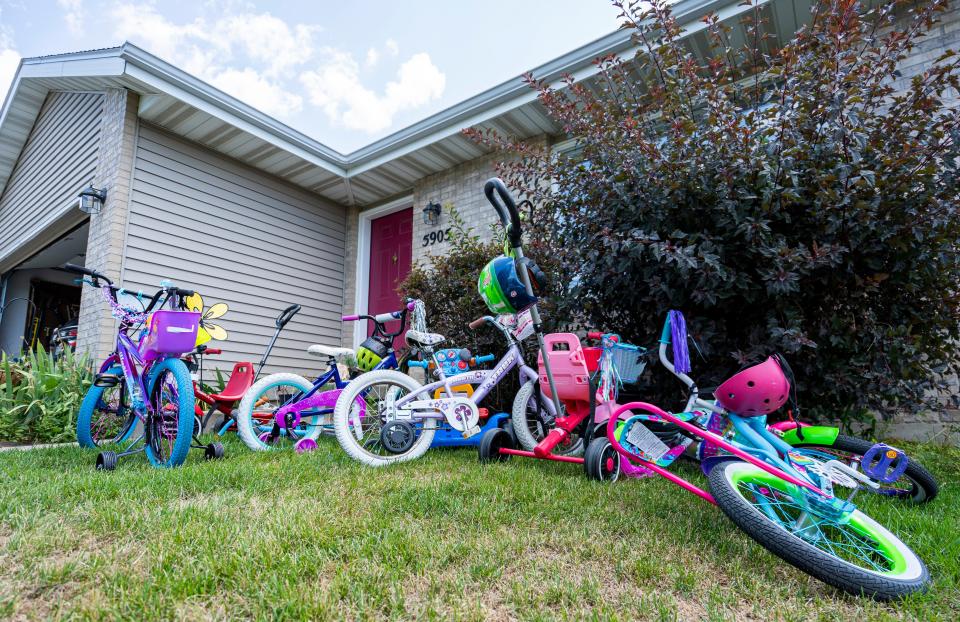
x=241, y=378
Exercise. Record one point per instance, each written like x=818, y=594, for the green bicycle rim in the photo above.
x=889, y=549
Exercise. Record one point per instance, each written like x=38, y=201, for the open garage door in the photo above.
x=38, y=300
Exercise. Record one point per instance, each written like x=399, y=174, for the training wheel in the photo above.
x=490, y=444
x=305, y=445
x=213, y=451
x=884, y=463
x=106, y=461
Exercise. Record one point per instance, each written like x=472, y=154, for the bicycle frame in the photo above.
x=487, y=379
x=300, y=404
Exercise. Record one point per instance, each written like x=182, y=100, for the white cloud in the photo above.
x=251, y=88
x=210, y=51
x=267, y=62
x=9, y=59
x=335, y=86
x=73, y=14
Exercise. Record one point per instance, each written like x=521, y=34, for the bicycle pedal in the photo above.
x=105, y=381
x=884, y=463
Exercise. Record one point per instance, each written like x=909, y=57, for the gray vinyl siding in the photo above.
x=58, y=160
x=239, y=236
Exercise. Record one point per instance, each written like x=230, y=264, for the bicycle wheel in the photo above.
x=255, y=414
x=858, y=556
x=169, y=428
x=916, y=484
x=377, y=436
x=528, y=427
x=105, y=414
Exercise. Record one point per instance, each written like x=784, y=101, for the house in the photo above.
x=212, y=194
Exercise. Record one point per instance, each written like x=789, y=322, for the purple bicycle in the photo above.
x=143, y=380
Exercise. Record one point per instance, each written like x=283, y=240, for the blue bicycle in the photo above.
x=285, y=408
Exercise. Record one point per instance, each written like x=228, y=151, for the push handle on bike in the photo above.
x=286, y=315
x=506, y=207
x=87, y=272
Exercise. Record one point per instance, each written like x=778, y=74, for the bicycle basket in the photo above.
x=629, y=361
x=170, y=333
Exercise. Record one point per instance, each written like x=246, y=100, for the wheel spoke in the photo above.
x=842, y=541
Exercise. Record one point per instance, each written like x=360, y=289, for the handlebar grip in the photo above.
x=420, y=364
x=287, y=314
x=509, y=215
x=213, y=351
x=411, y=303
x=349, y=318
x=71, y=267
x=388, y=317
x=477, y=323
x=486, y=358
x=594, y=335
x=185, y=293
x=665, y=334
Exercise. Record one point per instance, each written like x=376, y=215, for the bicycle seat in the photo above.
x=416, y=338
x=329, y=351
x=241, y=378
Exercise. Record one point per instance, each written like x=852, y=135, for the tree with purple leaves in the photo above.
x=801, y=198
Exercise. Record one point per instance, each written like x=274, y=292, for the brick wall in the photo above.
x=118, y=129
x=461, y=186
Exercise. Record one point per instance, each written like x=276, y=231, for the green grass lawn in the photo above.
x=285, y=536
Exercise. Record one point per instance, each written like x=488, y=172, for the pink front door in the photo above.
x=391, y=252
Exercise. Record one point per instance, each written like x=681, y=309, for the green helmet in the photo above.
x=370, y=353
x=501, y=288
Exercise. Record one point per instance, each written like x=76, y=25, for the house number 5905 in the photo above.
x=435, y=237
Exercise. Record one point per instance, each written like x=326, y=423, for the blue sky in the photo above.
x=345, y=73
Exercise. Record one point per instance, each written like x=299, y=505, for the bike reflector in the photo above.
x=884, y=463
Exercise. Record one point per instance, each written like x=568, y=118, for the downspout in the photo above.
x=3, y=293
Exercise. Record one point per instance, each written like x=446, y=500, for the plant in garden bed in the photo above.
x=40, y=396
x=801, y=198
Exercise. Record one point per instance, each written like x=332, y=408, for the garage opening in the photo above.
x=39, y=302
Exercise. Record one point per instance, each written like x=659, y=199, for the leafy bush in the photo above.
x=40, y=397
x=787, y=199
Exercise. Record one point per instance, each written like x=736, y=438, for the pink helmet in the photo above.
x=757, y=390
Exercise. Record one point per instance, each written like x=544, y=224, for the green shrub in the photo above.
x=40, y=397
x=787, y=199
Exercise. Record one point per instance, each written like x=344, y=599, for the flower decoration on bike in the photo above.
x=208, y=330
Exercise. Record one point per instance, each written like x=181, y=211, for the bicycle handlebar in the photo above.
x=506, y=207
x=96, y=276
x=380, y=319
